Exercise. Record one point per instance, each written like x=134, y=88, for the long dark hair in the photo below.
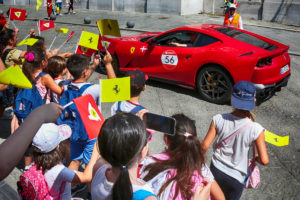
x=30, y=66
x=5, y=36
x=186, y=156
x=121, y=140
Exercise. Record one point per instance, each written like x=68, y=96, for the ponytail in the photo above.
x=185, y=155
x=122, y=188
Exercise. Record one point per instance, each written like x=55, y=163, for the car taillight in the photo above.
x=264, y=61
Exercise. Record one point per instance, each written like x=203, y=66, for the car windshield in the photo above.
x=244, y=37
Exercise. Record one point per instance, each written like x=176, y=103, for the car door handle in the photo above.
x=188, y=56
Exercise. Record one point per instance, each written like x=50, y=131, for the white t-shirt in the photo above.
x=125, y=106
x=93, y=90
x=59, y=180
x=101, y=187
x=232, y=158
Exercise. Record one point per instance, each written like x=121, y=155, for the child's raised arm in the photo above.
x=48, y=81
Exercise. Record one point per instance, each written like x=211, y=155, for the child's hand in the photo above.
x=141, y=113
x=96, y=61
x=55, y=52
x=107, y=58
x=32, y=31
x=203, y=191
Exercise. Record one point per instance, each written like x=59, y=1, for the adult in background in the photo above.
x=71, y=7
x=233, y=134
x=232, y=18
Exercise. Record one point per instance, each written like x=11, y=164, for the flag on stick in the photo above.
x=90, y=115
x=109, y=27
x=89, y=40
x=275, y=139
x=116, y=89
x=45, y=25
x=17, y=14
x=106, y=45
x=28, y=41
x=38, y=4
x=62, y=30
x=85, y=51
x=67, y=40
x=13, y=75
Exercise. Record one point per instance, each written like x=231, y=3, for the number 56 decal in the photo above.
x=169, y=59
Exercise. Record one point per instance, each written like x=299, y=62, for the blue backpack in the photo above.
x=27, y=100
x=70, y=114
x=134, y=111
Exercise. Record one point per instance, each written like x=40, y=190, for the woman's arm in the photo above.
x=109, y=68
x=262, y=157
x=210, y=136
x=23, y=136
x=216, y=191
x=48, y=81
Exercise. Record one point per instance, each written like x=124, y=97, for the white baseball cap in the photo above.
x=50, y=135
x=232, y=6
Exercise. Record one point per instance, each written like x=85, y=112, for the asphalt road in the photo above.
x=280, y=114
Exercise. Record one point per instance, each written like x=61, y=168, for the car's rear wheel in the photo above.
x=214, y=84
x=115, y=64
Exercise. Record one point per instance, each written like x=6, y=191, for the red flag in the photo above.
x=107, y=44
x=17, y=14
x=85, y=51
x=90, y=115
x=70, y=36
x=45, y=25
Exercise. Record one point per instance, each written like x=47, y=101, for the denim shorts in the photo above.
x=82, y=150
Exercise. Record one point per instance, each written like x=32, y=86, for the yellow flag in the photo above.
x=117, y=89
x=38, y=4
x=28, y=41
x=62, y=30
x=14, y=76
x=109, y=27
x=89, y=40
x=275, y=139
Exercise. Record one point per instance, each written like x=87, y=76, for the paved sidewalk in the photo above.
x=143, y=22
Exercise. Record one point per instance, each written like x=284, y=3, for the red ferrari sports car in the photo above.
x=207, y=57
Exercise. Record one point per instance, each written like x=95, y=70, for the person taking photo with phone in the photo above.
x=177, y=172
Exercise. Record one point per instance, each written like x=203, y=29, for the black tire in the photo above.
x=115, y=63
x=214, y=84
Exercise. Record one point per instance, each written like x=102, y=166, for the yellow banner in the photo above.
x=62, y=30
x=38, y=4
x=109, y=27
x=28, y=41
x=275, y=139
x=89, y=40
x=14, y=76
x=117, y=89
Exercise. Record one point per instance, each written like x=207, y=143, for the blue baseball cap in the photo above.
x=243, y=95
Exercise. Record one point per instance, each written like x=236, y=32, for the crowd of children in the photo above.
x=55, y=145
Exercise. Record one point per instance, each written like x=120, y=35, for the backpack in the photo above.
x=70, y=115
x=32, y=185
x=28, y=99
x=142, y=194
x=134, y=111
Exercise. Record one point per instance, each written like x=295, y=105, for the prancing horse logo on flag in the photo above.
x=116, y=89
x=46, y=25
x=93, y=115
x=18, y=14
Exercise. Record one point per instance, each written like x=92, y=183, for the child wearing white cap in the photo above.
x=49, y=149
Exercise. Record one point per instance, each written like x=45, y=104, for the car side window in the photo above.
x=182, y=37
x=204, y=40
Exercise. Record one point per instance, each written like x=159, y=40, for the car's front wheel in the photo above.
x=214, y=84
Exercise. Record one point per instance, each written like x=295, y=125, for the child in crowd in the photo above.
x=49, y=150
x=123, y=145
x=35, y=62
x=137, y=85
x=176, y=173
x=81, y=70
x=59, y=6
x=49, y=8
x=57, y=69
x=229, y=163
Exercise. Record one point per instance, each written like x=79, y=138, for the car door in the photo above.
x=159, y=58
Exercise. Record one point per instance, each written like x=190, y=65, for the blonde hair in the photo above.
x=245, y=113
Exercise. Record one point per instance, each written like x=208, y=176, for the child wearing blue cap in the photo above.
x=233, y=134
